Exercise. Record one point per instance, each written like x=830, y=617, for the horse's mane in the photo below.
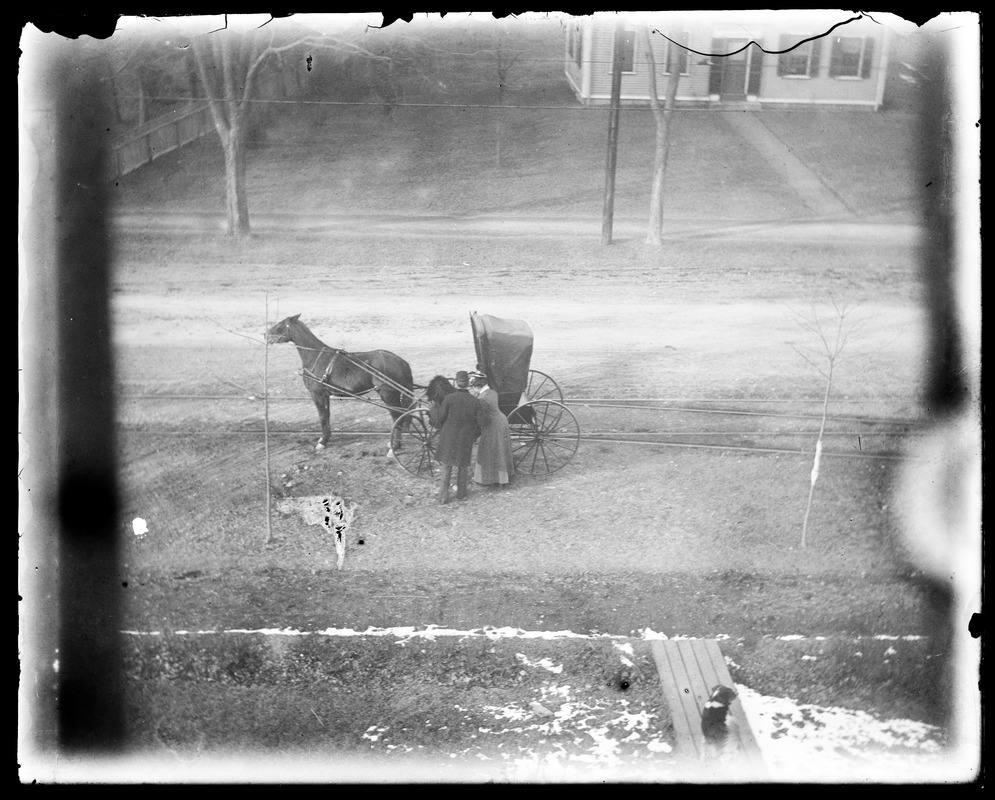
x=438, y=388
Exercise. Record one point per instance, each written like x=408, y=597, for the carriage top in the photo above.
x=504, y=351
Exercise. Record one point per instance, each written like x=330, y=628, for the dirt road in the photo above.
x=809, y=230
x=721, y=322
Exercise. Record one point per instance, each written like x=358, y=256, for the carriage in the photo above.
x=544, y=432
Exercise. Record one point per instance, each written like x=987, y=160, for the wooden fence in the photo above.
x=160, y=136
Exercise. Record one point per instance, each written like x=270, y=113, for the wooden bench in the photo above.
x=689, y=670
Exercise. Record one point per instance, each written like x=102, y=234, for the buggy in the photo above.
x=544, y=432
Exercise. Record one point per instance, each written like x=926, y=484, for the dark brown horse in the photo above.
x=331, y=372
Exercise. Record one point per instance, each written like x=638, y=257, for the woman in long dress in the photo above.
x=495, y=463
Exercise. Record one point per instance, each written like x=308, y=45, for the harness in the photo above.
x=326, y=375
x=323, y=380
x=331, y=365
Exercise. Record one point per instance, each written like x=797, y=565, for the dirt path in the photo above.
x=828, y=224
x=649, y=347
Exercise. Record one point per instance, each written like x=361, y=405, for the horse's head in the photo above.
x=438, y=388
x=280, y=333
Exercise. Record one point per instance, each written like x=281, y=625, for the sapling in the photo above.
x=264, y=394
x=269, y=485
x=824, y=360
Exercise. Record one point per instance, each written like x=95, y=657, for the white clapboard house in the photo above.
x=802, y=60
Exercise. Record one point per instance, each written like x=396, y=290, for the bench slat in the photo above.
x=699, y=687
x=683, y=711
x=689, y=670
x=747, y=741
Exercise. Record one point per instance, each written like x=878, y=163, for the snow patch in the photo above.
x=803, y=742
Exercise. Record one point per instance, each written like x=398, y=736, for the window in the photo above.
x=800, y=60
x=852, y=57
x=628, y=51
x=680, y=55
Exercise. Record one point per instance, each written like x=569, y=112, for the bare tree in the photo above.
x=229, y=64
x=662, y=117
x=824, y=361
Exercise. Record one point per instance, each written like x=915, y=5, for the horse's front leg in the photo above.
x=321, y=403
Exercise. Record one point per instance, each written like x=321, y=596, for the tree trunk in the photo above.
x=611, y=160
x=229, y=118
x=236, y=201
x=654, y=234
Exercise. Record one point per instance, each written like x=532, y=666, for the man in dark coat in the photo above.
x=456, y=418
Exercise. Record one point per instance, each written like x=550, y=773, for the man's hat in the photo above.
x=462, y=379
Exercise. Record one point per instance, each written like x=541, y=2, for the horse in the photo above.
x=331, y=372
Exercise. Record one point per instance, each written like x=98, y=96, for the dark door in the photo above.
x=732, y=84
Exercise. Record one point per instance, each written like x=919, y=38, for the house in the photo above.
x=800, y=61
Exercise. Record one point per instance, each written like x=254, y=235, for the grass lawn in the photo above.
x=867, y=159
x=317, y=158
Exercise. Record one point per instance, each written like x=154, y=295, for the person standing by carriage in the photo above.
x=495, y=462
x=454, y=412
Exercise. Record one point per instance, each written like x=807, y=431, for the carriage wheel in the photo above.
x=415, y=444
x=544, y=436
x=542, y=387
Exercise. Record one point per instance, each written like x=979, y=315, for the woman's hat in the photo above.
x=477, y=376
x=462, y=379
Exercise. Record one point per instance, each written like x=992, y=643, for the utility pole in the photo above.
x=613, y=114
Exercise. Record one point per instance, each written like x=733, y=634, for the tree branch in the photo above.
x=218, y=112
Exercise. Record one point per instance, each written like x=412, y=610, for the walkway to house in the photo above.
x=819, y=198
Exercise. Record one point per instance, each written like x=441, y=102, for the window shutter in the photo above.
x=715, y=71
x=813, y=64
x=868, y=62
